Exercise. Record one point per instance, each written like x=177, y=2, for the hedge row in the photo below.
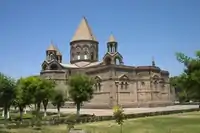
x=88, y=118
x=187, y=103
x=130, y=116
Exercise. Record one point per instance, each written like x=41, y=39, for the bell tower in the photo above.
x=52, y=53
x=112, y=44
x=112, y=56
x=83, y=46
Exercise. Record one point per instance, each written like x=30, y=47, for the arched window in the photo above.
x=111, y=48
x=162, y=84
x=117, y=61
x=69, y=71
x=72, y=56
x=85, y=55
x=155, y=84
x=78, y=56
x=98, y=84
x=92, y=56
x=126, y=85
x=44, y=67
x=142, y=83
x=52, y=57
x=54, y=67
x=108, y=61
x=155, y=77
x=122, y=85
x=78, y=52
x=85, y=52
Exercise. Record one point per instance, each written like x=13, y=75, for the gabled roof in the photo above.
x=83, y=32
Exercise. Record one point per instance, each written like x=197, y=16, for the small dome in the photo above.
x=58, y=53
x=111, y=39
x=51, y=48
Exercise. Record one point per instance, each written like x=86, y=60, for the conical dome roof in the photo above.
x=111, y=39
x=83, y=32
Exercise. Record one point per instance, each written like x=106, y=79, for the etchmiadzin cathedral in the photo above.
x=117, y=83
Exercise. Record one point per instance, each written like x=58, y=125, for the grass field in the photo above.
x=177, y=123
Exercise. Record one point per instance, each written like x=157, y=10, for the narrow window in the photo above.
x=155, y=85
x=142, y=83
x=72, y=56
x=54, y=67
x=99, y=87
x=69, y=72
x=78, y=56
x=44, y=67
x=85, y=56
x=126, y=85
x=92, y=56
x=96, y=86
x=117, y=61
x=108, y=60
x=122, y=85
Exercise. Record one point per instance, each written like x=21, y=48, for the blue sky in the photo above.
x=143, y=28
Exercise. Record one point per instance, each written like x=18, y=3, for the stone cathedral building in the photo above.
x=117, y=83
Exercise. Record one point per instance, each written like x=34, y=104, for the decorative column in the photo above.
x=169, y=94
x=136, y=92
x=117, y=91
x=25, y=110
x=8, y=114
x=3, y=113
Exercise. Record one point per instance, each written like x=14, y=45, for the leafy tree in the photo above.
x=42, y=93
x=39, y=90
x=59, y=97
x=192, y=74
x=47, y=92
x=80, y=89
x=181, y=91
x=119, y=116
x=31, y=85
x=23, y=97
x=7, y=92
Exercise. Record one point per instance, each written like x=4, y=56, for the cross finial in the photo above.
x=153, y=62
x=51, y=41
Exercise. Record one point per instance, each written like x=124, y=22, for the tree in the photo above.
x=119, y=116
x=47, y=93
x=192, y=74
x=23, y=97
x=39, y=90
x=42, y=93
x=181, y=91
x=7, y=92
x=80, y=89
x=59, y=97
x=31, y=85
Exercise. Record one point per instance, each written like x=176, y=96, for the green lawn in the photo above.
x=177, y=123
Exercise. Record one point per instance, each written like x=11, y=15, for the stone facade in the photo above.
x=129, y=86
